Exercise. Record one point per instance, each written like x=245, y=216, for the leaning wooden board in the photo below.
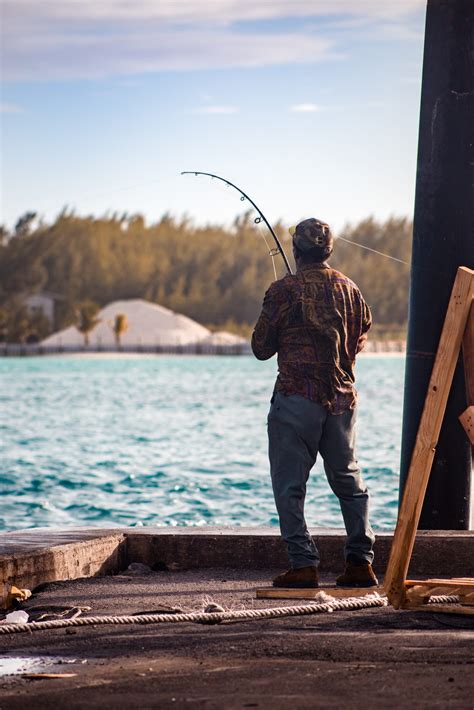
x=456, y=331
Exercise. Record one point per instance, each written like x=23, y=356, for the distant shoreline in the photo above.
x=384, y=346
x=377, y=347
x=382, y=353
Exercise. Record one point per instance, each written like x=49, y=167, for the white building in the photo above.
x=43, y=302
x=223, y=338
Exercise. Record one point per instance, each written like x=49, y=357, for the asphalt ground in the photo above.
x=374, y=658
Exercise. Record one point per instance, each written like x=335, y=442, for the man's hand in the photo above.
x=265, y=335
x=361, y=342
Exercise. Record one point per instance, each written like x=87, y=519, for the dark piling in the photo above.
x=443, y=240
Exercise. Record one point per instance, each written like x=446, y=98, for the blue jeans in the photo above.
x=297, y=430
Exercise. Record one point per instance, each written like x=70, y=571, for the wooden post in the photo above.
x=428, y=432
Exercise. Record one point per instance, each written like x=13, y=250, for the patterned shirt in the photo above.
x=317, y=321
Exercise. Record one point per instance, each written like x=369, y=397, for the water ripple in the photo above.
x=169, y=441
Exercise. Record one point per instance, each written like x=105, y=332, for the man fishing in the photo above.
x=317, y=322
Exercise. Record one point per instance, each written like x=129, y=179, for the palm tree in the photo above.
x=87, y=318
x=119, y=327
x=3, y=325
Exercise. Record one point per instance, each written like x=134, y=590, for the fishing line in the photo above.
x=257, y=221
x=279, y=249
x=270, y=251
x=431, y=270
x=375, y=251
x=107, y=191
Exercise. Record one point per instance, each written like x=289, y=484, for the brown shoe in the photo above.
x=301, y=578
x=360, y=575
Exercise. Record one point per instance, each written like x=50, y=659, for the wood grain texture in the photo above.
x=467, y=599
x=416, y=596
x=451, y=582
x=428, y=433
x=467, y=421
x=417, y=593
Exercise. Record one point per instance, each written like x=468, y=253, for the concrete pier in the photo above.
x=365, y=659
x=32, y=557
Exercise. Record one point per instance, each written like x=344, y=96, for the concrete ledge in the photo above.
x=31, y=557
x=444, y=553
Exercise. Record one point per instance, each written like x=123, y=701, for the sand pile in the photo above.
x=147, y=324
x=222, y=337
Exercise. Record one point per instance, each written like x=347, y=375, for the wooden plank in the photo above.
x=463, y=580
x=416, y=596
x=428, y=433
x=452, y=582
x=467, y=599
x=420, y=594
x=338, y=592
x=441, y=580
x=467, y=421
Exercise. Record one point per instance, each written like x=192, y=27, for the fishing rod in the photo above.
x=261, y=217
x=279, y=249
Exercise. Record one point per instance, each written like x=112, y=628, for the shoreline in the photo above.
x=377, y=348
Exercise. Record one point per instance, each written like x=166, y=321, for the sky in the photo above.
x=310, y=106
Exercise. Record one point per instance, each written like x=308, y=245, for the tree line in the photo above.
x=214, y=274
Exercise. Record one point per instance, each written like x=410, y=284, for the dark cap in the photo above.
x=311, y=233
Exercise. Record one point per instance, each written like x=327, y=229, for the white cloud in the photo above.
x=71, y=39
x=10, y=108
x=86, y=55
x=223, y=11
x=305, y=108
x=216, y=109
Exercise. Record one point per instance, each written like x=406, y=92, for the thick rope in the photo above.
x=350, y=604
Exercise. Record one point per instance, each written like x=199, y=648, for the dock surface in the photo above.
x=370, y=658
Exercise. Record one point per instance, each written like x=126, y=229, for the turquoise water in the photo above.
x=169, y=441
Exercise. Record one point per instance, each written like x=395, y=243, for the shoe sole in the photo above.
x=296, y=586
x=358, y=585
